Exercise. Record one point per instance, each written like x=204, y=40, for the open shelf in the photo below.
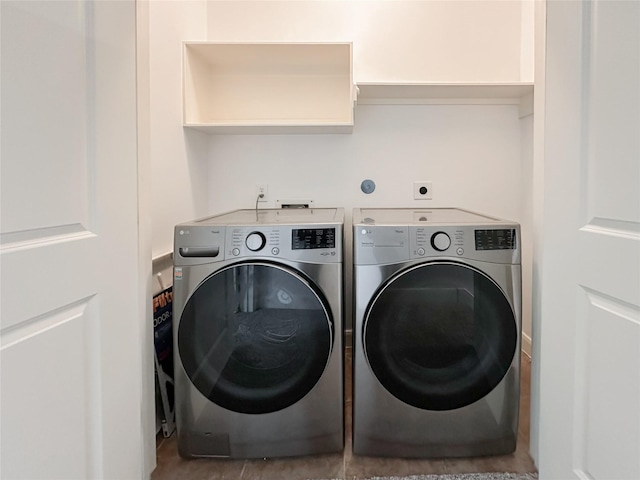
x=449, y=93
x=268, y=87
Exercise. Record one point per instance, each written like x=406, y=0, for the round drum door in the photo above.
x=255, y=337
x=440, y=336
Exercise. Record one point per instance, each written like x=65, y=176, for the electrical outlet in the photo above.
x=262, y=189
x=422, y=190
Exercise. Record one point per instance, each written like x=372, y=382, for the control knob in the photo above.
x=440, y=241
x=255, y=241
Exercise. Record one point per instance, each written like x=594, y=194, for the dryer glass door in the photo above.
x=440, y=336
x=255, y=337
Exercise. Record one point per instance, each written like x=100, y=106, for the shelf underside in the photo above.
x=443, y=93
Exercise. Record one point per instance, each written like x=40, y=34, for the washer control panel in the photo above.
x=440, y=241
x=255, y=241
x=252, y=241
x=308, y=243
x=311, y=238
x=195, y=245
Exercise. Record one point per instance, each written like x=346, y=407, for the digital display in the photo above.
x=307, y=238
x=498, y=239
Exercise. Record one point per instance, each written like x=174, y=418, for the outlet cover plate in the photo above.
x=262, y=188
x=422, y=190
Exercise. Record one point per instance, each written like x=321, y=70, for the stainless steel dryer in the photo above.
x=258, y=333
x=436, y=357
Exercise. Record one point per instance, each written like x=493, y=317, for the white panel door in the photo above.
x=70, y=288
x=590, y=318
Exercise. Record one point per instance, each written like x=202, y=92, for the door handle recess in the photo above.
x=199, y=251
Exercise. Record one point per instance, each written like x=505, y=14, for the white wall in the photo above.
x=178, y=157
x=396, y=41
x=471, y=153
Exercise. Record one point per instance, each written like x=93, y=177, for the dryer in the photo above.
x=258, y=333
x=437, y=320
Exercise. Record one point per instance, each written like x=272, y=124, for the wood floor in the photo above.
x=344, y=465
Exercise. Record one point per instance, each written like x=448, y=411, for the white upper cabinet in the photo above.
x=268, y=87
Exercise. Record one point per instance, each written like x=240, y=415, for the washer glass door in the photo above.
x=440, y=336
x=255, y=337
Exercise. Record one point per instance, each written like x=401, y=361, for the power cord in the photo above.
x=260, y=195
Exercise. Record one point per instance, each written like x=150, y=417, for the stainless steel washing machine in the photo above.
x=436, y=356
x=258, y=333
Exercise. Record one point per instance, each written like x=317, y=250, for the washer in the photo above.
x=436, y=357
x=258, y=341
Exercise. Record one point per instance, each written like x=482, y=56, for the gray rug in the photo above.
x=466, y=476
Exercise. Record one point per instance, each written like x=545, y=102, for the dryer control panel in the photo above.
x=430, y=241
x=374, y=245
x=496, y=239
x=499, y=245
x=383, y=244
x=386, y=236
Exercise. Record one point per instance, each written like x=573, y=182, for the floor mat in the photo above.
x=466, y=476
